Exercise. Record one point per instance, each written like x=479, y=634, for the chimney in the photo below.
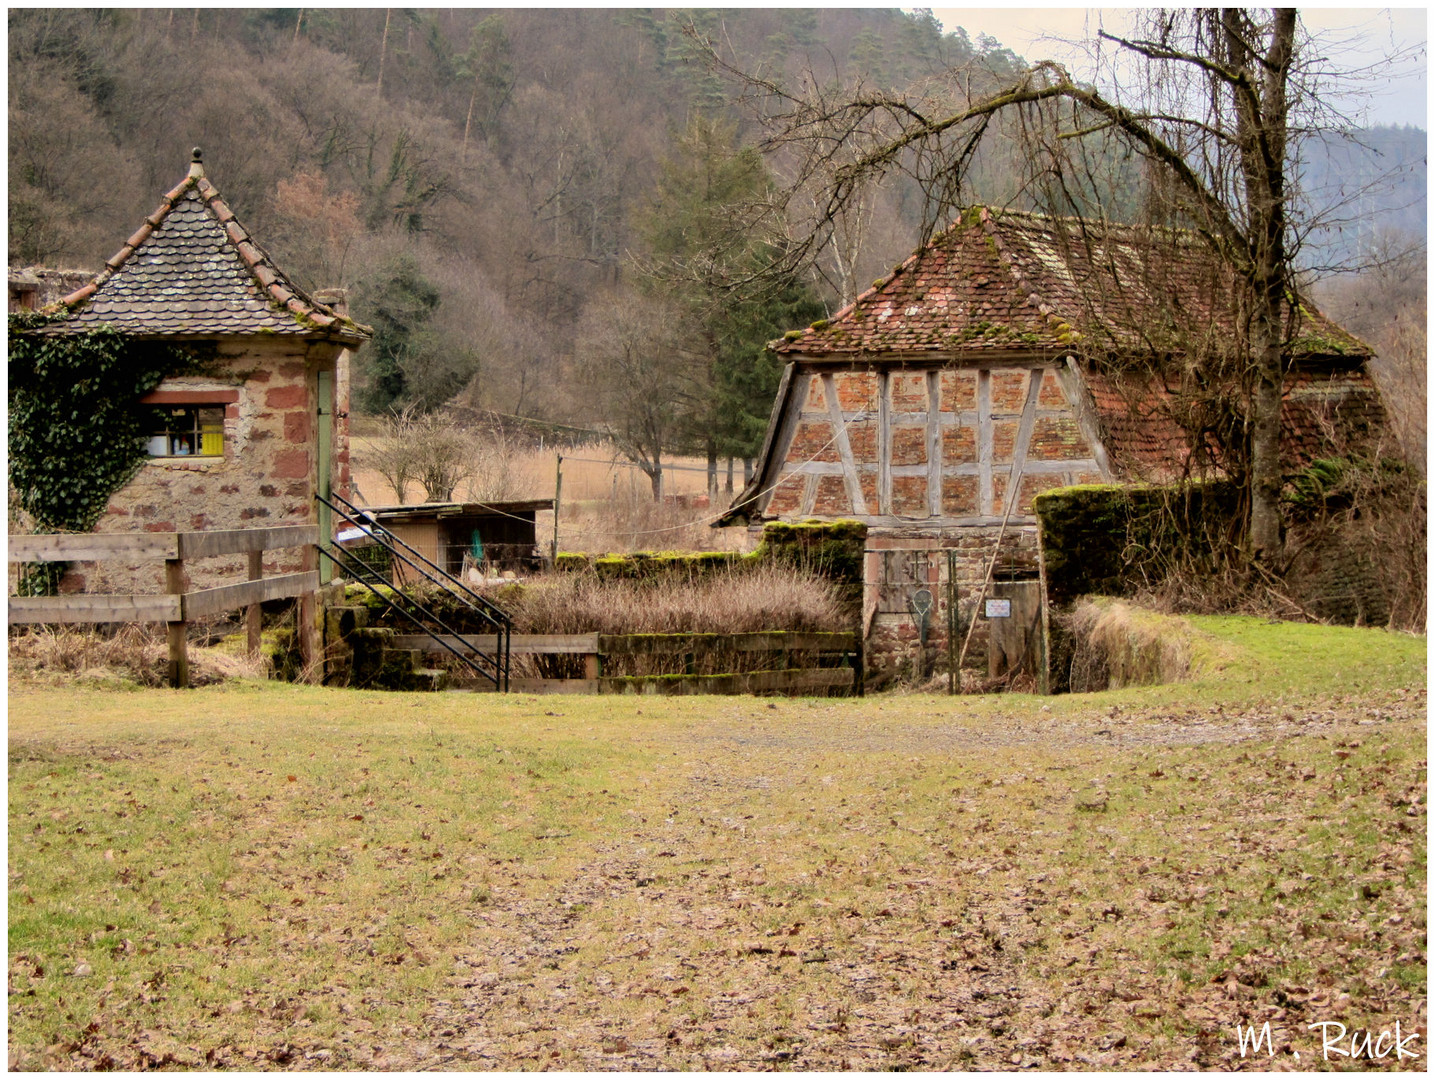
x=336, y=300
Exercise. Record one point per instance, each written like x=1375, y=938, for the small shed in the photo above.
x=251, y=440
x=499, y=536
x=1013, y=354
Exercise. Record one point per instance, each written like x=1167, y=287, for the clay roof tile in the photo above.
x=1021, y=281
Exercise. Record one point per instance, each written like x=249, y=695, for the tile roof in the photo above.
x=1001, y=280
x=1322, y=414
x=193, y=270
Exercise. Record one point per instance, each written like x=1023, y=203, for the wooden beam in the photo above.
x=676, y=644
x=244, y=593
x=1073, y=384
x=934, y=444
x=809, y=493
x=802, y=679
x=796, y=680
x=199, y=545
x=1023, y=441
x=985, y=503
x=850, y=479
x=93, y=608
x=778, y=428
x=310, y=649
x=93, y=547
x=190, y=397
x=521, y=644
x=552, y=686
x=884, y=442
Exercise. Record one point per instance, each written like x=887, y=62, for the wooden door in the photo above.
x=1013, y=613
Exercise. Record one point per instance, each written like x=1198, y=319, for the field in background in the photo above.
x=607, y=503
x=269, y=876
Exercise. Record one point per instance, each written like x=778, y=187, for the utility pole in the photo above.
x=557, y=498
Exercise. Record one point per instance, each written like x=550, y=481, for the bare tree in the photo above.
x=395, y=453
x=430, y=449
x=638, y=378
x=1216, y=97
x=1385, y=305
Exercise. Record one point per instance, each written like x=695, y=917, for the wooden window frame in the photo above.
x=195, y=402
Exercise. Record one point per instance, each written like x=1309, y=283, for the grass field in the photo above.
x=264, y=876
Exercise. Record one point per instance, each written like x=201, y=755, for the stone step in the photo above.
x=413, y=657
x=340, y=621
x=431, y=679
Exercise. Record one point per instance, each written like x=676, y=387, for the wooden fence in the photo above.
x=175, y=607
x=598, y=649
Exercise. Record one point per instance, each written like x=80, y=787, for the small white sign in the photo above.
x=998, y=609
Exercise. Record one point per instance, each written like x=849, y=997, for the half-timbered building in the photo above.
x=1013, y=354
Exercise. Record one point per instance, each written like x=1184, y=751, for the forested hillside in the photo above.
x=534, y=208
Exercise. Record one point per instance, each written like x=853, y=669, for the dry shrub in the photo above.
x=728, y=601
x=132, y=654
x=438, y=453
x=1232, y=590
x=1119, y=645
x=735, y=601
x=1359, y=555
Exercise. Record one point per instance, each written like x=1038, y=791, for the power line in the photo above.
x=633, y=465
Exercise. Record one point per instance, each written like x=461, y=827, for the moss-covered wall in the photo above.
x=832, y=549
x=646, y=564
x=1112, y=539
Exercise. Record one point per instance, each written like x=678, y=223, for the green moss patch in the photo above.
x=1114, y=539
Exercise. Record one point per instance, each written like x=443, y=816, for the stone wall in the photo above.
x=267, y=475
x=36, y=287
x=898, y=563
x=1114, y=539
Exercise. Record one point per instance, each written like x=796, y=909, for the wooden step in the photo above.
x=527, y=686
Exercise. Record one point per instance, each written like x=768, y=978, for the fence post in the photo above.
x=176, y=632
x=253, y=616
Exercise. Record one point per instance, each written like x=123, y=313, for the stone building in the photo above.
x=250, y=440
x=34, y=287
x=1013, y=354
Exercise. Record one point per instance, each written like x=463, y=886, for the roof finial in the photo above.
x=196, y=163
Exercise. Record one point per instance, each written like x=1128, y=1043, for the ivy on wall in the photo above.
x=77, y=434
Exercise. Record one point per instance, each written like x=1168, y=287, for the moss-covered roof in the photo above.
x=1002, y=280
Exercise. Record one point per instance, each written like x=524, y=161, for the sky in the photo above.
x=1352, y=37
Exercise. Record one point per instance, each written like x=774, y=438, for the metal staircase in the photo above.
x=490, y=666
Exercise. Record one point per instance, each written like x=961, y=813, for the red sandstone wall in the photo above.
x=898, y=562
x=267, y=476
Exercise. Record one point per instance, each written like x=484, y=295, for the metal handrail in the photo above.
x=362, y=574
x=444, y=579
x=495, y=616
